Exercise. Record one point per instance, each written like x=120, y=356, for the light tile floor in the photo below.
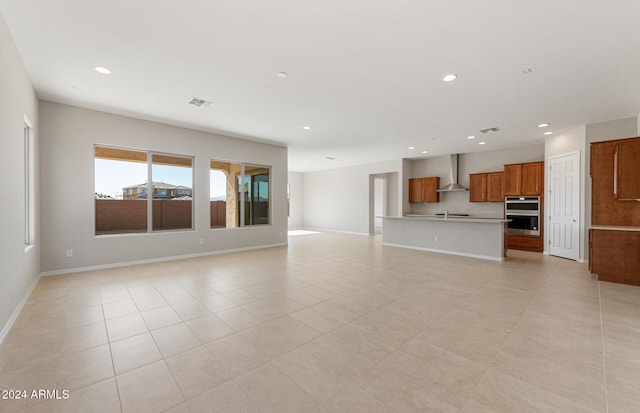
x=333, y=323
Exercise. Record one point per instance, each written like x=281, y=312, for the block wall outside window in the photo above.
x=122, y=204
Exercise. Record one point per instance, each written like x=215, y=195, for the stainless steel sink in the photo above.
x=451, y=215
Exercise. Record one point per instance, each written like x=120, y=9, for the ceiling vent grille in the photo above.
x=494, y=129
x=200, y=102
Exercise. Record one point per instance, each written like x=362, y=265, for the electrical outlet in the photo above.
x=69, y=253
x=201, y=241
x=435, y=238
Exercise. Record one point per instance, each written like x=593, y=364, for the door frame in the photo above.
x=385, y=199
x=547, y=201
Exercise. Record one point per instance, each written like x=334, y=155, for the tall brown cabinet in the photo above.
x=614, y=235
x=526, y=179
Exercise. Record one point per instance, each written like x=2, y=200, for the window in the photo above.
x=223, y=194
x=256, y=195
x=29, y=211
x=239, y=194
x=169, y=210
x=122, y=191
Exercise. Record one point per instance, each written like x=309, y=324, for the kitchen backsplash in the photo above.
x=458, y=202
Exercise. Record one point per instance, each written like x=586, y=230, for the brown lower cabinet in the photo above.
x=516, y=242
x=615, y=255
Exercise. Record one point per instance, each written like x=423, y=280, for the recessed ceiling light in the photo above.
x=412, y=147
x=306, y=127
x=425, y=151
x=282, y=75
x=450, y=77
x=548, y=133
x=471, y=137
x=543, y=125
x=102, y=70
x=482, y=143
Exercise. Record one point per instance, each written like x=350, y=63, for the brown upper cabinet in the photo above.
x=613, y=181
x=415, y=190
x=626, y=180
x=486, y=187
x=532, y=174
x=513, y=179
x=495, y=187
x=478, y=188
x=524, y=178
x=424, y=189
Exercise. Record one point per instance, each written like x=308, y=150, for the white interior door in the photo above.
x=564, y=206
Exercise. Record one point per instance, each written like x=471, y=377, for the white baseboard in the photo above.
x=18, y=309
x=335, y=230
x=153, y=260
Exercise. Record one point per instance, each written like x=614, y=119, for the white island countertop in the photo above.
x=469, y=219
x=469, y=236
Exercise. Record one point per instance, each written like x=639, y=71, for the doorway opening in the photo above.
x=379, y=207
x=383, y=199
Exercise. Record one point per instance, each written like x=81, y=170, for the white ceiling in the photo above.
x=366, y=75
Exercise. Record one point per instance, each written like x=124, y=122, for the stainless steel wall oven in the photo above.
x=524, y=213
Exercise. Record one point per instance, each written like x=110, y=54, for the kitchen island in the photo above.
x=466, y=236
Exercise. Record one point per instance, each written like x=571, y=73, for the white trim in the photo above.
x=153, y=260
x=547, y=199
x=27, y=121
x=335, y=230
x=462, y=254
x=18, y=309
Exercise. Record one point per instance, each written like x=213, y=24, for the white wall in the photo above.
x=19, y=268
x=566, y=142
x=296, y=201
x=612, y=129
x=68, y=135
x=339, y=199
x=469, y=163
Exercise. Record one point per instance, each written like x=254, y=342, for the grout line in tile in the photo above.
x=604, y=363
x=113, y=366
x=495, y=357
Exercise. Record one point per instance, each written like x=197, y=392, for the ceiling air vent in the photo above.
x=200, y=102
x=331, y=158
x=494, y=129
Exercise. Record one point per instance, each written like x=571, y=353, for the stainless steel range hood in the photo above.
x=453, y=177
